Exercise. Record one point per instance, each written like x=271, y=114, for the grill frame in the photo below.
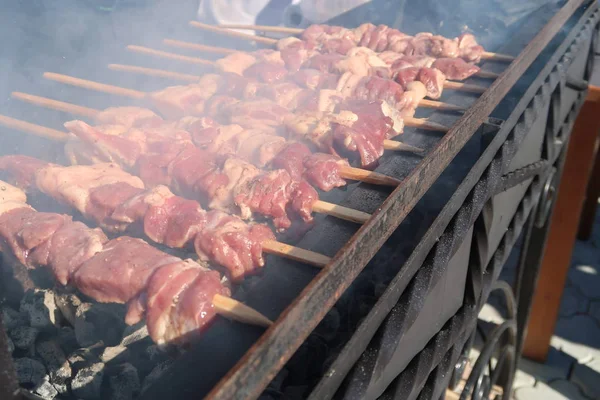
x=485, y=173
x=260, y=364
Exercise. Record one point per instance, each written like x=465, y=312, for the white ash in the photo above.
x=87, y=382
x=124, y=383
x=46, y=390
x=56, y=362
x=40, y=308
x=67, y=303
x=23, y=337
x=131, y=334
x=30, y=372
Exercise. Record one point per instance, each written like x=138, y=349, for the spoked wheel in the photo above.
x=492, y=374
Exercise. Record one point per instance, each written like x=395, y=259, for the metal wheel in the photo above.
x=495, y=365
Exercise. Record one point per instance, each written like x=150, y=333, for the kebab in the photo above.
x=257, y=146
x=181, y=101
x=178, y=298
x=379, y=38
x=119, y=202
x=225, y=183
x=271, y=66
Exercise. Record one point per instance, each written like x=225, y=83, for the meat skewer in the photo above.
x=361, y=64
x=119, y=202
x=231, y=184
x=139, y=95
x=178, y=298
x=226, y=51
x=195, y=78
x=364, y=34
x=173, y=109
x=334, y=173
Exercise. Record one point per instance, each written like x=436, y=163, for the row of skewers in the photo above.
x=255, y=138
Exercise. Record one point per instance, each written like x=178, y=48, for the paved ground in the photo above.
x=572, y=370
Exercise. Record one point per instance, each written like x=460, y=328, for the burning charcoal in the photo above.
x=41, y=309
x=67, y=303
x=97, y=322
x=155, y=374
x=30, y=373
x=12, y=318
x=56, y=362
x=110, y=353
x=125, y=384
x=46, y=390
x=23, y=336
x=11, y=345
x=67, y=339
x=88, y=381
x=131, y=334
x=134, y=333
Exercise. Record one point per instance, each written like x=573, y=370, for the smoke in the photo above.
x=74, y=37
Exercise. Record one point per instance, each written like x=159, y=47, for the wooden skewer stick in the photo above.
x=212, y=28
x=98, y=87
x=487, y=74
x=356, y=174
x=101, y=87
x=295, y=253
x=160, y=73
x=487, y=55
x=56, y=105
x=238, y=311
x=341, y=212
x=172, y=56
x=320, y=206
x=28, y=127
x=269, y=246
x=155, y=72
x=263, y=28
x=464, y=87
x=197, y=46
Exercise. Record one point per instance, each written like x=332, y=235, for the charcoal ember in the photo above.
x=30, y=372
x=67, y=303
x=23, y=337
x=40, y=308
x=98, y=322
x=67, y=339
x=124, y=383
x=134, y=333
x=56, y=362
x=84, y=357
x=10, y=345
x=46, y=390
x=12, y=318
x=87, y=382
x=156, y=372
x=131, y=334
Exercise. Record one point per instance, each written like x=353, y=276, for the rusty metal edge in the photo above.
x=248, y=378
